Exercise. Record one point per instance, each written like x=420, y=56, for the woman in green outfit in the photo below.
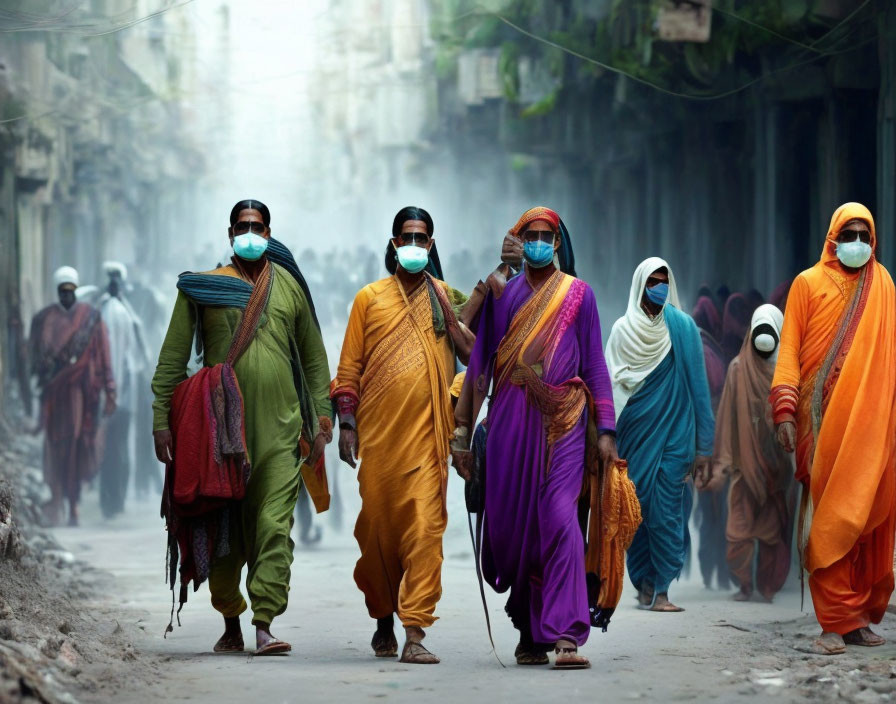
x=283, y=371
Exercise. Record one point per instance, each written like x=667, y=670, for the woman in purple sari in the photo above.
x=539, y=347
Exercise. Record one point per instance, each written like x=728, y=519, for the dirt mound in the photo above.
x=59, y=639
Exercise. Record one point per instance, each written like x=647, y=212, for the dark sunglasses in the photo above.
x=244, y=226
x=535, y=235
x=407, y=238
x=853, y=235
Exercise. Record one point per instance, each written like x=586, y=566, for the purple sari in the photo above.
x=531, y=540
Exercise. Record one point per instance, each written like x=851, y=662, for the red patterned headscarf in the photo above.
x=533, y=214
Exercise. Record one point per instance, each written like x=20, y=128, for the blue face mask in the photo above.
x=657, y=294
x=413, y=259
x=249, y=246
x=538, y=254
x=853, y=254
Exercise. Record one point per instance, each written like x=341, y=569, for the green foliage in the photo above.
x=747, y=35
x=543, y=106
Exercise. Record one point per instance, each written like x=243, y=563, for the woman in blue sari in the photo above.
x=664, y=424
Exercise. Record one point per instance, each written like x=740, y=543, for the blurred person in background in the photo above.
x=150, y=308
x=69, y=354
x=130, y=362
x=711, y=510
x=760, y=499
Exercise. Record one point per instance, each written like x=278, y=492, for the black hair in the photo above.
x=434, y=266
x=251, y=205
x=411, y=213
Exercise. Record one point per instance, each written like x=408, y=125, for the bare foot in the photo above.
x=829, y=644
x=645, y=595
x=413, y=652
x=865, y=637
x=266, y=644
x=662, y=604
x=741, y=596
x=232, y=640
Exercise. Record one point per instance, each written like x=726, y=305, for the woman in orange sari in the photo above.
x=834, y=403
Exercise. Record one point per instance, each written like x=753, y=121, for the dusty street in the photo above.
x=716, y=651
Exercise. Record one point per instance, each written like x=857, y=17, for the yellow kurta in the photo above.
x=401, y=371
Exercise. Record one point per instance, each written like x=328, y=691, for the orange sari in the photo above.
x=836, y=379
x=400, y=368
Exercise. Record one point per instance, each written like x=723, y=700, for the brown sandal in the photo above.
x=829, y=644
x=864, y=637
x=568, y=658
x=274, y=647
x=415, y=654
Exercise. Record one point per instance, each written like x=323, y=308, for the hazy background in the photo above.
x=720, y=137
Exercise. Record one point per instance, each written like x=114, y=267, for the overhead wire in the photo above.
x=484, y=12
x=88, y=29
x=668, y=91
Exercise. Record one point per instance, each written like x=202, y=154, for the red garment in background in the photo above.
x=69, y=351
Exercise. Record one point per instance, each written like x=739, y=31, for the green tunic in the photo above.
x=259, y=538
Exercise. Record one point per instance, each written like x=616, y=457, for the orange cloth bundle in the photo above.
x=614, y=519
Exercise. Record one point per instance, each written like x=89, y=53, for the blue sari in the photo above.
x=664, y=425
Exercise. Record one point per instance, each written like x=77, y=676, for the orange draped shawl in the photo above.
x=836, y=377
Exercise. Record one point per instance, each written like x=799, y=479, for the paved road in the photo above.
x=716, y=651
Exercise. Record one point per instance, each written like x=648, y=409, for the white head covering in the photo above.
x=638, y=343
x=65, y=275
x=116, y=268
x=771, y=315
x=767, y=313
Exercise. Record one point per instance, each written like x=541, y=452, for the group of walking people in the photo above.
x=90, y=349
x=420, y=362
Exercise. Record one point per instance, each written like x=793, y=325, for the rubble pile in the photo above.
x=58, y=643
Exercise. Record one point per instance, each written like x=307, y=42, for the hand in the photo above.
x=463, y=463
x=348, y=446
x=512, y=251
x=496, y=282
x=786, y=434
x=164, y=445
x=716, y=480
x=110, y=406
x=606, y=450
x=702, y=470
x=317, y=450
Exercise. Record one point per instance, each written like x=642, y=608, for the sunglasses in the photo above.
x=417, y=238
x=853, y=235
x=244, y=226
x=535, y=235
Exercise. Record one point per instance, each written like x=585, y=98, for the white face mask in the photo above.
x=765, y=343
x=853, y=254
x=412, y=258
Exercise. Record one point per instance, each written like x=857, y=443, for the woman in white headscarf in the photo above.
x=760, y=500
x=664, y=423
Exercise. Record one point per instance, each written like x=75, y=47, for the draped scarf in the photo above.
x=638, y=343
x=745, y=435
